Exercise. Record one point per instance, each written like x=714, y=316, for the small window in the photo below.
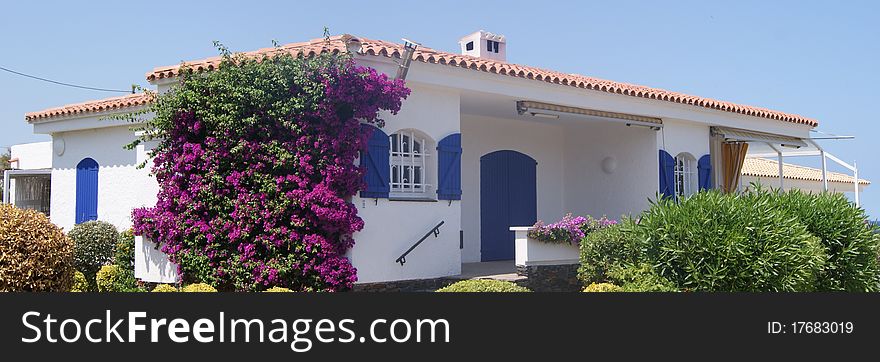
x=469, y=46
x=685, y=175
x=410, y=162
x=492, y=46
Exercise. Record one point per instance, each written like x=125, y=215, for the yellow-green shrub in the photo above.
x=277, y=290
x=36, y=255
x=105, y=277
x=198, y=288
x=80, y=284
x=602, y=288
x=164, y=288
x=482, y=286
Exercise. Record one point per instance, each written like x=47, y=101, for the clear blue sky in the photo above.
x=818, y=59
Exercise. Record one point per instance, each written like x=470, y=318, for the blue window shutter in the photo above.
x=86, y=190
x=667, y=174
x=704, y=166
x=449, y=168
x=375, y=161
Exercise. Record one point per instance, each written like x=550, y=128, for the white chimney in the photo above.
x=484, y=44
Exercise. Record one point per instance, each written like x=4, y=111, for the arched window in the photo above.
x=411, y=163
x=86, y=190
x=685, y=175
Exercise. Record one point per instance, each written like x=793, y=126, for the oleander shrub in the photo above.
x=850, y=244
x=602, y=288
x=482, y=286
x=198, y=288
x=724, y=242
x=35, y=255
x=255, y=163
x=604, y=248
x=80, y=284
x=277, y=290
x=94, y=247
x=164, y=288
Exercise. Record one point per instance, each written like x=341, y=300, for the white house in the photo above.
x=27, y=183
x=481, y=145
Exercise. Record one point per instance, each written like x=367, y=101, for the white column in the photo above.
x=6, y=186
x=824, y=170
x=781, y=183
x=856, y=182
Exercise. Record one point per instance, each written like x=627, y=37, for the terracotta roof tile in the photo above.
x=763, y=167
x=337, y=44
x=102, y=105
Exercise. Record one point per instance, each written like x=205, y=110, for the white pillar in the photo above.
x=856, y=182
x=6, y=186
x=781, y=183
x=824, y=171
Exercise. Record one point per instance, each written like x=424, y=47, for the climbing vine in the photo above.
x=255, y=163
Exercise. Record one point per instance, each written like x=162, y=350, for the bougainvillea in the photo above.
x=256, y=167
x=571, y=229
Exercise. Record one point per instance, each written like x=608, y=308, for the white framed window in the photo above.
x=411, y=163
x=685, y=175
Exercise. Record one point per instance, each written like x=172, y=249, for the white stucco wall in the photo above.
x=391, y=227
x=32, y=155
x=633, y=177
x=680, y=136
x=541, y=141
x=121, y=185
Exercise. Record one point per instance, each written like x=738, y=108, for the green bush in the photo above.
x=80, y=284
x=482, y=285
x=640, y=278
x=124, y=259
x=165, y=288
x=850, y=244
x=198, y=288
x=277, y=290
x=124, y=254
x=94, y=246
x=602, y=288
x=35, y=255
x=724, y=242
x=604, y=248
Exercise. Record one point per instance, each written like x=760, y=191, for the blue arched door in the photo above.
x=86, y=190
x=508, y=197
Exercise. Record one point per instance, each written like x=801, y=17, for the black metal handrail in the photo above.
x=435, y=230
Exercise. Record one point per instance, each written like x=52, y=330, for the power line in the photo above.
x=66, y=84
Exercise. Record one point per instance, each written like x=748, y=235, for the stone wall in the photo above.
x=550, y=278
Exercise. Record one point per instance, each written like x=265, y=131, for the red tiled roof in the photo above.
x=337, y=44
x=107, y=104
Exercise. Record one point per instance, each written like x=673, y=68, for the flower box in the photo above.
x=151, y=264
x=534, y=252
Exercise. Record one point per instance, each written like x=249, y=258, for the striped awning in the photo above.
x=735, y=134
x=529, y=106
